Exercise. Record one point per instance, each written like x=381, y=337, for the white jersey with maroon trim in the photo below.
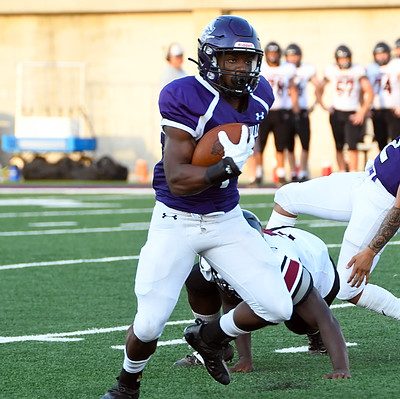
x=304, y=260
x=346, y=86
x=304, y=73
x=385, y=80
x=308, y=249
x=279, y=78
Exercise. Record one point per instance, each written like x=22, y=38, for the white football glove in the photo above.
x=238, y=152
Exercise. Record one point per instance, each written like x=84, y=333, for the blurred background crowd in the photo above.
x=94, y=69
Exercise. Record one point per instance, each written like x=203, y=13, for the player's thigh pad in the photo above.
x=327, y=197
x=247, y=263
x=164, y=264
x=371, y=204
x=347, y=251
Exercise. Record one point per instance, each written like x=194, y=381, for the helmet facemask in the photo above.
x=232, y=82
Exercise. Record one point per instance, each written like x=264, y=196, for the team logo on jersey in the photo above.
x=260, y=116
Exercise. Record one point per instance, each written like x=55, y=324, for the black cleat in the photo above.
x=121, y=392
x=212, y=355
x=315, y=344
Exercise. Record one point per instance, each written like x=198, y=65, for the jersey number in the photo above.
x=383, y=156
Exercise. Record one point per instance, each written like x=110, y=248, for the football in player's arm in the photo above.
x=197, y=208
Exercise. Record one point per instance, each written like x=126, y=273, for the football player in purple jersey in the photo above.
x=370, y=202
x=197, y=211
x=310, y=277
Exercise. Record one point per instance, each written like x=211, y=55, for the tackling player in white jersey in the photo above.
x=312, y=281
x=305, y=73
x=370, y=202
x=384, y=75
x=347, y=114
x=280, y=119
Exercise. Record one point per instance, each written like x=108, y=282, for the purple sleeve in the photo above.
x=178, y=107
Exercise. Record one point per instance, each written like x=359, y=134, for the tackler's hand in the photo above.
x=238, y=152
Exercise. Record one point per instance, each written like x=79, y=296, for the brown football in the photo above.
x=209, y=150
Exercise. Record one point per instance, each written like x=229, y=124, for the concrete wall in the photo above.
x=123, y=46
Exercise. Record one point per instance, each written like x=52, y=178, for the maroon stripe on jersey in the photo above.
x=291, y=274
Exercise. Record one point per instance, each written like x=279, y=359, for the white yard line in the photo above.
x=298, y=349
x=52, y=224
x=342, y=305
x=88, y=212
x=63, y=335
x=140, y=226
x=68, y=262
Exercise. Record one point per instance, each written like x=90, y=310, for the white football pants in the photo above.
x=351, y=197
x=228, y=243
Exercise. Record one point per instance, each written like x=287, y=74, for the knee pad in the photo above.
x=346, y=291
x=147, y=328
x=283, y=197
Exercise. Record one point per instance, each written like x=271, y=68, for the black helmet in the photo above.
x=397, y=43
x=253, y=220
x=343, y=52
x=273, y=46
x=229, y=33
x=381, y=47
x=293, y=49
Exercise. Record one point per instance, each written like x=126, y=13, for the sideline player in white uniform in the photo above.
x=347, y=115
x=396, y=50
x=197, y=208
x=370, y=202
x=384, y=75
x=280, y=119
x=305, y=73
x=312, y=280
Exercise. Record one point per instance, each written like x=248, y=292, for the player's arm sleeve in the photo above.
x=175, y=109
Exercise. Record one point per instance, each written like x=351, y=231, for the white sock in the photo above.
x=228, y=325
x=280, y=172
x=380, y=300
x=259, y=171
x=302, y=174
x=134, y=366
x=207, y=318
x=277, y=220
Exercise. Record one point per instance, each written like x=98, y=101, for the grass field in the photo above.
x=66, y=277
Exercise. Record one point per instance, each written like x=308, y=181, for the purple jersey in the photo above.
x=193, y=105
x=387, y=166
